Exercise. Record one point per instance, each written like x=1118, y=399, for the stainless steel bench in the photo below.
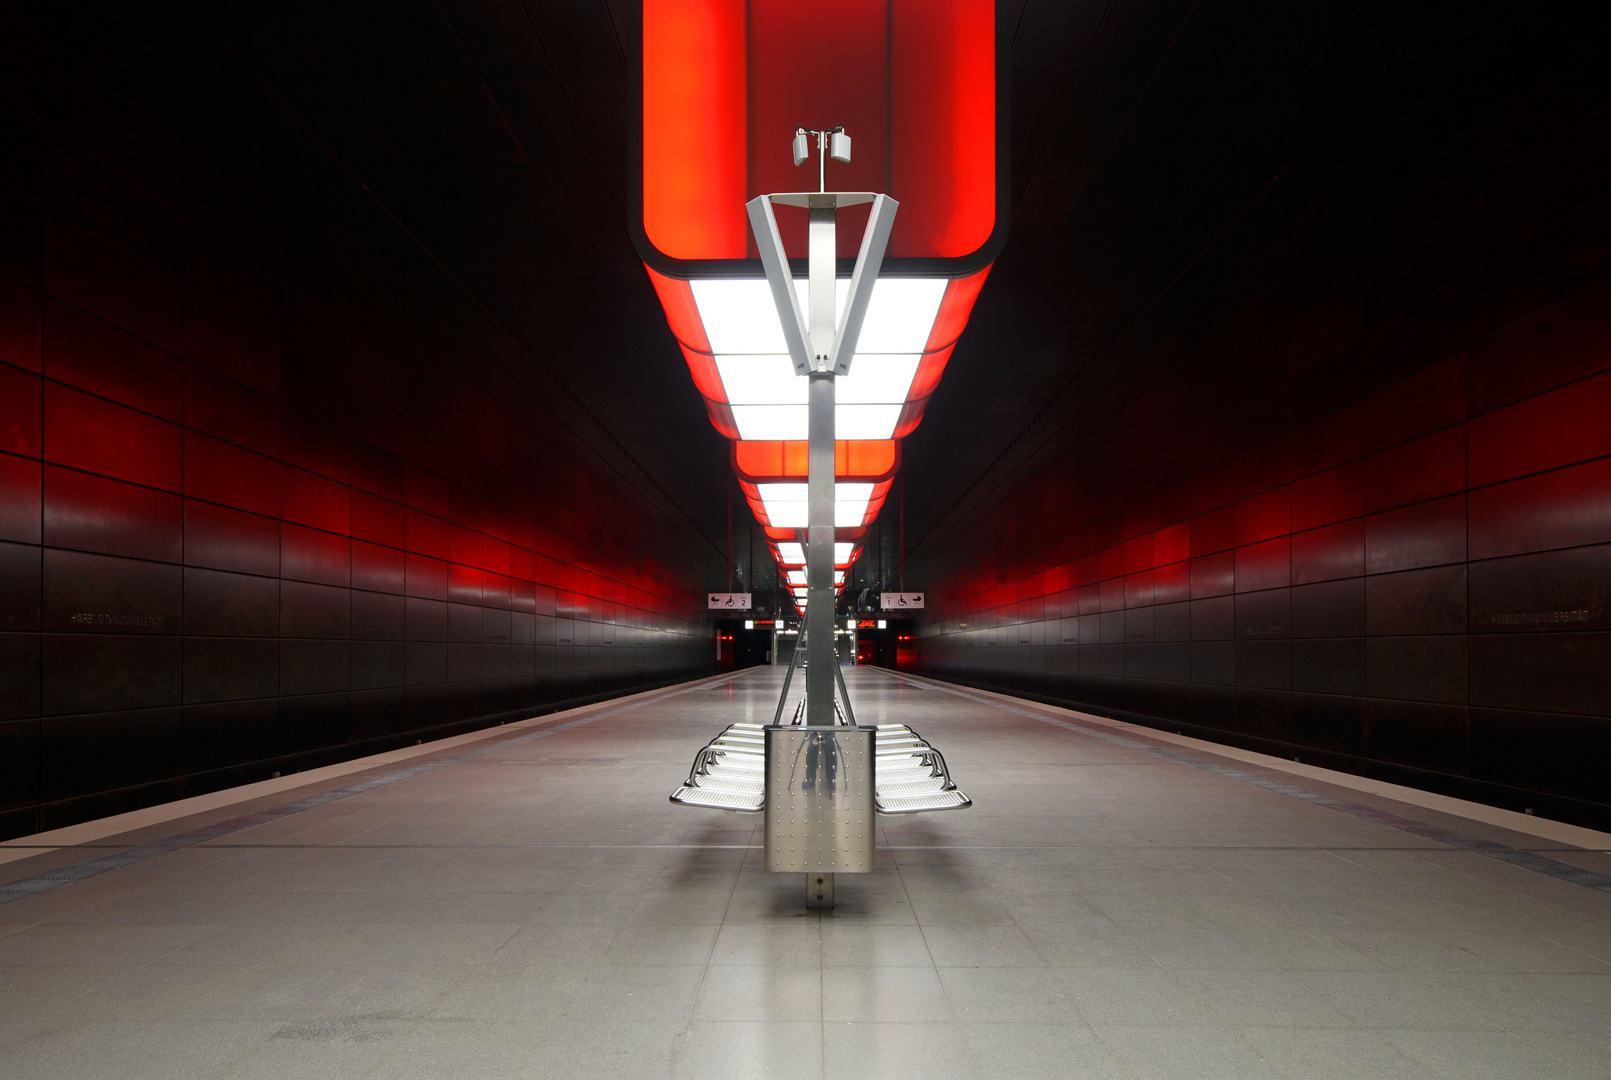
x=910, y=776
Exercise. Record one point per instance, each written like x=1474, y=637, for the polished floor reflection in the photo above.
x=1112, y=906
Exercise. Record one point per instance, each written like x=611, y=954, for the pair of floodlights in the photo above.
x=833, y=142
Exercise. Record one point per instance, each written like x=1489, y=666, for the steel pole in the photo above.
x=820, y=659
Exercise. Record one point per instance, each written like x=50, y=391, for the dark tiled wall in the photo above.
x=253, y=518
x=1365, y=520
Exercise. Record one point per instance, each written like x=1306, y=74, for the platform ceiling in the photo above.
x=1162, y=154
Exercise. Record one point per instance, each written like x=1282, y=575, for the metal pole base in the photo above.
x=819, y=890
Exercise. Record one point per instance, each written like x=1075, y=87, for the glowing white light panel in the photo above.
x=786, y=505
x=769, y=400
x=794, y=553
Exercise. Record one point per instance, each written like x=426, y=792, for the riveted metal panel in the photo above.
x=819, y=799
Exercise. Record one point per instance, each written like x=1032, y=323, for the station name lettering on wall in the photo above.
x=91, y=618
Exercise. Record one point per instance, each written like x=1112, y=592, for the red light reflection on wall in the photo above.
x=1391, y=581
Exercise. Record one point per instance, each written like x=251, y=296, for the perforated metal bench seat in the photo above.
x=728, y=772
x=742, y=802
x=911, y=774
x=740, y=762
x=916, y=804
x=918, y=784
x=740, y=743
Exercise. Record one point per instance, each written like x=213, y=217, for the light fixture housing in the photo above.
x=925, y=88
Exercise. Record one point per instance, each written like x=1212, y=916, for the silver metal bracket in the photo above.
x=869, y=261
x=819, y=890
x=764, y=224
x=820, y=789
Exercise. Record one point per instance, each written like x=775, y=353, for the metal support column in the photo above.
x=821, y=662
x=820, y=659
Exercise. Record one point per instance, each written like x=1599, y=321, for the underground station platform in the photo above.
x=521, y=902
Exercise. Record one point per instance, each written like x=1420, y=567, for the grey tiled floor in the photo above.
x=543, y=911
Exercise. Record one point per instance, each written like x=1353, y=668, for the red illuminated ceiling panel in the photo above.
x=918, y=84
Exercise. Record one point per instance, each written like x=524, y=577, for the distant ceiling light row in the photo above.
x=730, y=337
